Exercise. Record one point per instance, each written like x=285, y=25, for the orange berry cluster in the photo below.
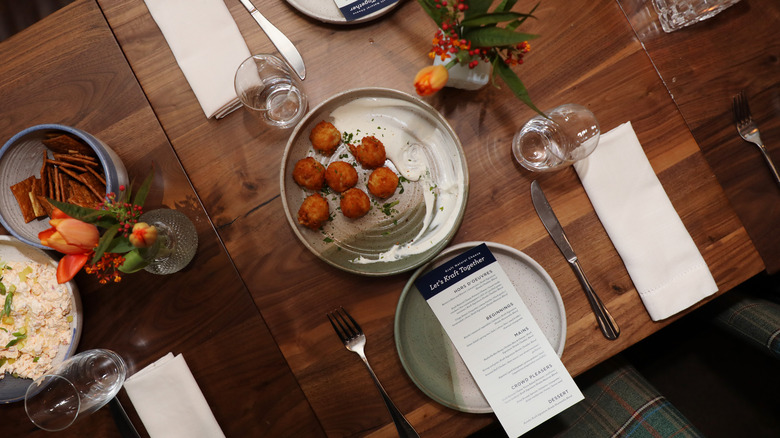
x=106, y=269
x=447, y=42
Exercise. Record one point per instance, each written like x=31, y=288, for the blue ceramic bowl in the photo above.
x=20, y=157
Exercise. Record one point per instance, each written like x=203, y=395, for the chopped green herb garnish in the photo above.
x=388, y=209
x=9, y=297
x=327, y=240
x=19, y=337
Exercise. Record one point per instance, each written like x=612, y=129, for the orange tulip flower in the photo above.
x=143, y=236
x=72, y=237
x=431, y=79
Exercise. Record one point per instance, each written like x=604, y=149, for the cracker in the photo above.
x=64, y=144
x=94, y=184
x=80, y=195
x=46, y=205
x=21, y=192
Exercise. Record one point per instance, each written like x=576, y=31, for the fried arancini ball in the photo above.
x=313, y=212
x=325, y=137
x=370, y=153
x=355, y=203
x=382, y=182
x=309, y=173
x=341, y=176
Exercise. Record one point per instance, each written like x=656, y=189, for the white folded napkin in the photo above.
x=169, y=401
x=207, y=46
x=664, y=263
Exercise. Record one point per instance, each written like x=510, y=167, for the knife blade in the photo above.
x=607, y=324
x=282, y=43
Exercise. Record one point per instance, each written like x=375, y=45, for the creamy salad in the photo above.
x=35, y=318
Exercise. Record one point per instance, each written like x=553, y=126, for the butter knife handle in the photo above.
x=607, y=324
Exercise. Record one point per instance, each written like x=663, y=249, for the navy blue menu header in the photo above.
x=448, y=274
x=353, y=10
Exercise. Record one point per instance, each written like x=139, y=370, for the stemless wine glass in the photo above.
x=77, y=387
x=270, y=91
x=569, y=133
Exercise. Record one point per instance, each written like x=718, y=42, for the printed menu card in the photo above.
x=508, y=355
x=354, y=9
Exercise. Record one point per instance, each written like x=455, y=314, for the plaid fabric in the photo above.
x=753, y=319
x=619, y=402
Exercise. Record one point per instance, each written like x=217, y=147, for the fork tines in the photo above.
x=345, y=329
x=741, y=108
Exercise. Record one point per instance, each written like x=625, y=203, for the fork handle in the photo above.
x=769, y=162
x=404, y=428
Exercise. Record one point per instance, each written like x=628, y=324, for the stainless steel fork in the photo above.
x=748, y=129
x=354, y=339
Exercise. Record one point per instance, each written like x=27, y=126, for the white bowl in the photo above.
x=20, y=157
x=12, y=389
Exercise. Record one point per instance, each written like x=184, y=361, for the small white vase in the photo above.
x=465, y=78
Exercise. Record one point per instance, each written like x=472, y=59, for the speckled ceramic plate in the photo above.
x=401, y=232
x=426, y=351
x=328, y=12
x=12, y=389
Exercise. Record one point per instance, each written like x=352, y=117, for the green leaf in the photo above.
x=513, y=82
x=89, y=215
x=493, y=18
x=429, y=6
x=514, y=25
x=134, y=262
x=140, y=196
x=496, y=37
x=119, y=245
x=477, y=7
x=505, y=5
x=104, y=242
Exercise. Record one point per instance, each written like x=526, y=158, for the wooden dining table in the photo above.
x=249, y=313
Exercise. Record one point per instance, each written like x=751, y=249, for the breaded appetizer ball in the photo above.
x=325, y=137
x=370, y=153
x=382, y=182
x=355, y=203
x=313, y=212
x=341, y=176
x=309, y=174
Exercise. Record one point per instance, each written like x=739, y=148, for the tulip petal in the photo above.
x=69, y=266
x=79, y=234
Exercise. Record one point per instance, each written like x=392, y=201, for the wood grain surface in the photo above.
x=69, y=69
x=704, y=66
x=588, y=55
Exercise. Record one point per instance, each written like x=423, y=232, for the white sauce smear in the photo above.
x=422, y=150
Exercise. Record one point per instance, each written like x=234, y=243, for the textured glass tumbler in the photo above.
x=676, y=14
x=77, y=387
x=270, y=91
x=569, y=133
x=177, y=241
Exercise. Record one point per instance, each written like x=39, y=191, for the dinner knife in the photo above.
x=282, y=43
x=606, y=323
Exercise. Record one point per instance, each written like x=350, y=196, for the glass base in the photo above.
x=177, y=241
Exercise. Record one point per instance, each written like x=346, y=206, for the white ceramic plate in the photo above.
x=328, y=12
x=12, y=389
x=401, y=232
x=428, y=355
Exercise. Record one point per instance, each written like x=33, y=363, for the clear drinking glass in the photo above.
x=676, y=14
x=77, y=387
x=569, y=133
x=176, y=244
x=270, y=90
